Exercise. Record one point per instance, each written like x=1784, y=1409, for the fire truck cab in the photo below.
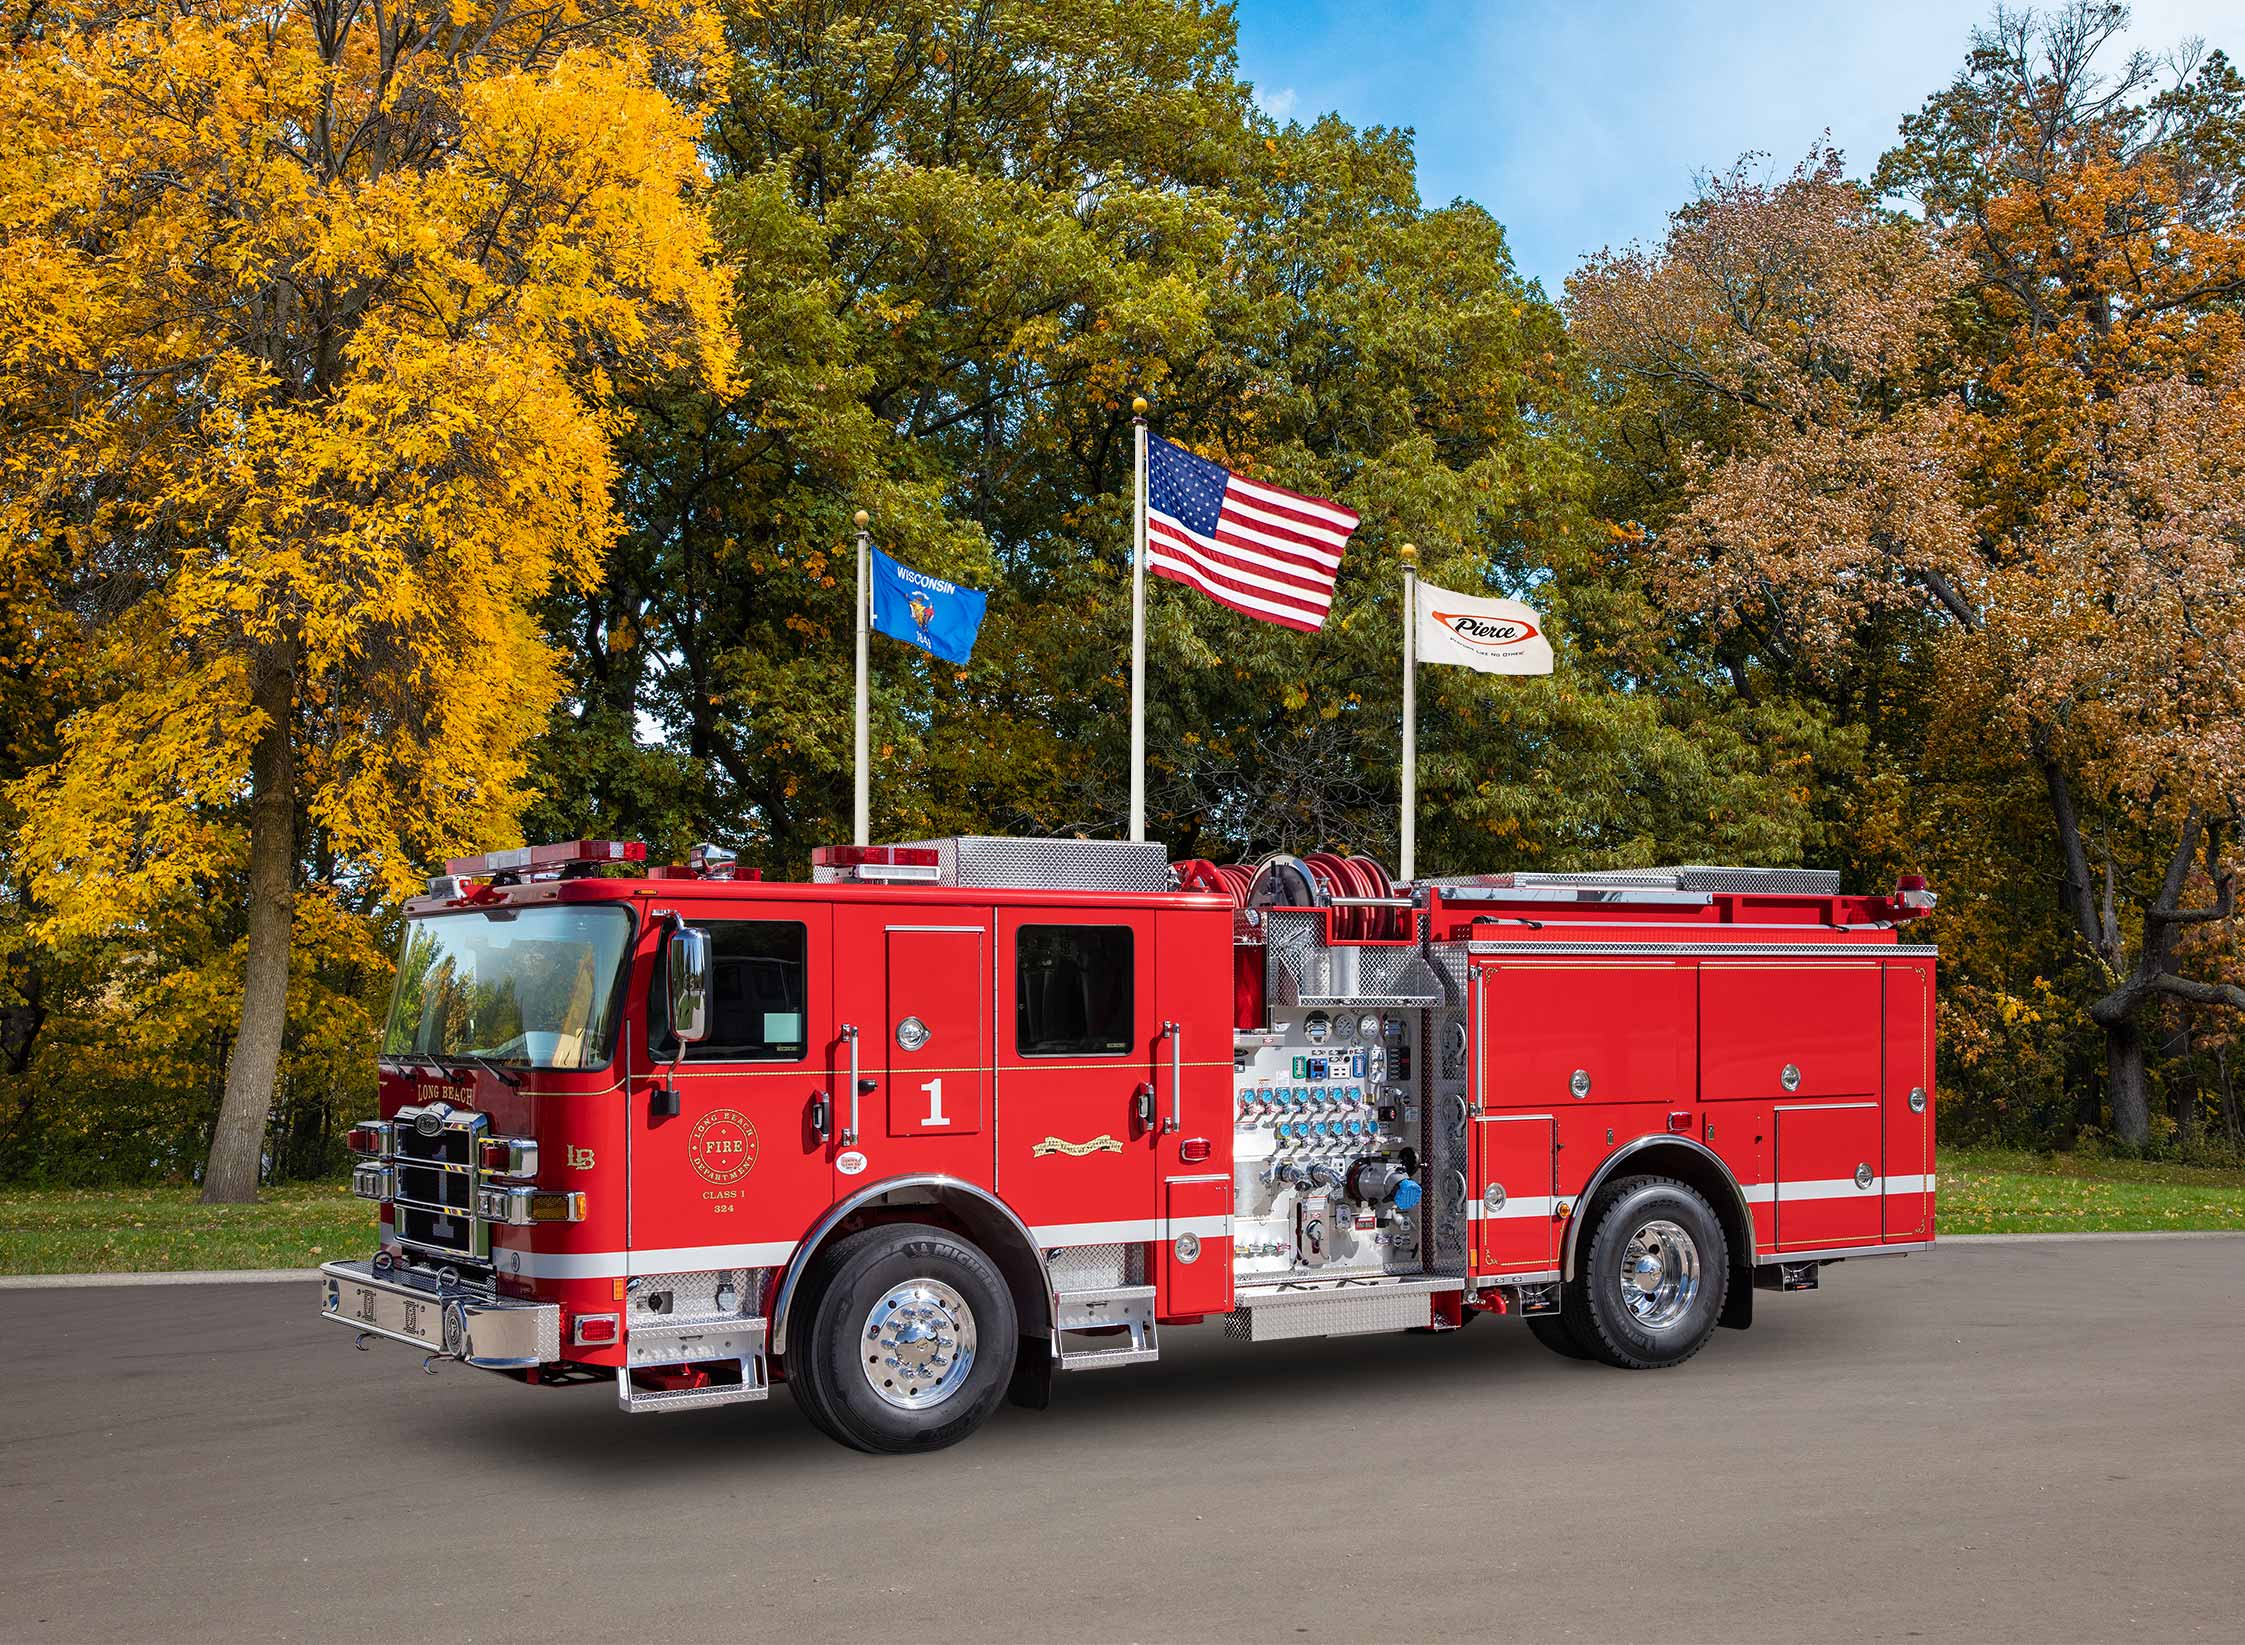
x=958, y=1115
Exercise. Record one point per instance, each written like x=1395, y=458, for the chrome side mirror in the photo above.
x=686, y=970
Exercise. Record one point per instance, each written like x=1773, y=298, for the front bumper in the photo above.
x=497, y=1333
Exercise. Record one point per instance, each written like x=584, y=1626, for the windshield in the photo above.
x=534, y=987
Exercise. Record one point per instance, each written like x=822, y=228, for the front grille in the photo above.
x=452, y=1145
x=435, y=1185
x=436, y=1181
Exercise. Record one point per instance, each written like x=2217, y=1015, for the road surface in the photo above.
x=2029, y=1442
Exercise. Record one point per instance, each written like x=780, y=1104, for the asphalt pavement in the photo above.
x=1994, y=1442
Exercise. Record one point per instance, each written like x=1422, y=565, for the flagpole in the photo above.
x=864, y=815
x=1138, y=626
x=1410, y=557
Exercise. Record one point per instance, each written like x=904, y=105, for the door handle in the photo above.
x=849, y=1133
x=1142, y=1105
x=1176, y=1076
x=822, y=1115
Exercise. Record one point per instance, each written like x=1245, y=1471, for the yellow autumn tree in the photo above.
x=315, y=316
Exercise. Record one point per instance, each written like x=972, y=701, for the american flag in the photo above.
x=1257, y=548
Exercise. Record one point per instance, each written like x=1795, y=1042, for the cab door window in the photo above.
x=759, y=1000
x=1074, y=990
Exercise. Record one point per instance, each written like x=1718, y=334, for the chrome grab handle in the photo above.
x=849, y=1136
x=1176, y=1075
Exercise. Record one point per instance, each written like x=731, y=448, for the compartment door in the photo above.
x=1510, y=1193
x=1909, y=1100
x=1780, y=1030
x=1552, y=1033
x=1828, y=1175
x=1195, y=1266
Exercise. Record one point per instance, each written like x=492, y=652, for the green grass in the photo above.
x=1992, y=1191
x=150, y=1230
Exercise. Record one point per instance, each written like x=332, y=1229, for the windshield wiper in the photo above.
x=497, y=1071
x=512, y=1081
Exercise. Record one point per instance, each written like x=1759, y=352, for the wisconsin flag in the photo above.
x=939, y=617
x=1494, y=636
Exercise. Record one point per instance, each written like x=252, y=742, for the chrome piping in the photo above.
x=1590, y=1190
x=800, y=1262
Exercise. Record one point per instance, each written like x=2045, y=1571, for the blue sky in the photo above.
x=1580, y=126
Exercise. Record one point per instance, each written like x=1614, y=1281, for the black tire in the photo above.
x=1556, y=1333
x=835, y=1369
x=1656, y=1333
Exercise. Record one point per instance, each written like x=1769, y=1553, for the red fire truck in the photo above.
x=961, y=1114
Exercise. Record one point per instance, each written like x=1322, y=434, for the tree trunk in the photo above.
x=2124, y=1083
x=2229, y=1096
x=231, y=1174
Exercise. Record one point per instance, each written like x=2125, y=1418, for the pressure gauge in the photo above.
x=1317, y=1026
x=1369, y=1025
x=1344, y=1027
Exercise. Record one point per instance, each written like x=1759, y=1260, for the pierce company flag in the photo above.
x=939, y=617
x=1494, y=636
x=1257, y=548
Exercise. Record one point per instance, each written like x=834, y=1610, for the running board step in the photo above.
x=1335, y=1310
x=1123, y=1315
x=733, y=1342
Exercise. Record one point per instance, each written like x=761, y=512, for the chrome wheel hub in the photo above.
x=917, y=1344
x=1659, y=1273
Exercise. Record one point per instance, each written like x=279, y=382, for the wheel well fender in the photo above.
x=975, y=1212
x=1688, y=1161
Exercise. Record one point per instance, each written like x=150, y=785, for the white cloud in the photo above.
x=1279, y=104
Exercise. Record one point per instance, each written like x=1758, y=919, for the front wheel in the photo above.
x=1649, y=1288
x=910, y=1341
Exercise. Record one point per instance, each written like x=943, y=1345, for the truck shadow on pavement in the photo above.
x=1202, y=1378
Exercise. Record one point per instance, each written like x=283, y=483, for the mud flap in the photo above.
x=1031, y=1387
x=1738, y=1300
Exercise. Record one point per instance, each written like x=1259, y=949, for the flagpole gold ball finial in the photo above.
x=1138, y=405
x=1408, y=553
x=862, y=518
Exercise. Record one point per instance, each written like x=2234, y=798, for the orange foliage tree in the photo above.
x=2005, y=442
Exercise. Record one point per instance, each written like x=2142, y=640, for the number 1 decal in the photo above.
x=934, y=1089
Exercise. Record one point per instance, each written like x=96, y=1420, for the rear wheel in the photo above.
x=1649, y=1288
x=909, y=1340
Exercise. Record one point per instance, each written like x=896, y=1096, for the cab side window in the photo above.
x=759, y=1005
x=1073, y=990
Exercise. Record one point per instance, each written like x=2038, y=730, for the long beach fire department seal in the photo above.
x=722, y=1147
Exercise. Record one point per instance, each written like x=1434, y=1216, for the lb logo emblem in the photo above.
x=722, y=1147
x=1101, y=1144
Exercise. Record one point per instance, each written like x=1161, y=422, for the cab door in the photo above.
x=1082, y=1053
x=915, y=987
x=739, y=1171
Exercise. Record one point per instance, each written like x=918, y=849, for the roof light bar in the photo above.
x=539, y=859
x=881, y=862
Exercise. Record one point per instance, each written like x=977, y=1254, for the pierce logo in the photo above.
x=722, y=1146
x=1486, y=633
